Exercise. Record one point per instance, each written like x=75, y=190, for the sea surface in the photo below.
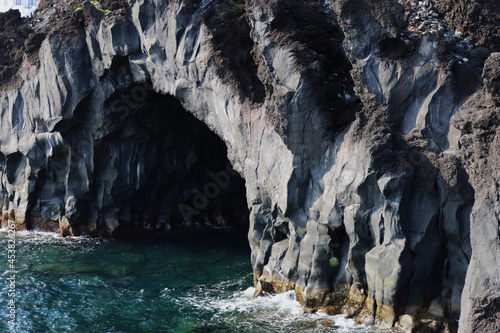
x=177, y=283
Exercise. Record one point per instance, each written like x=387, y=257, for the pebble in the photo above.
x=423, y=17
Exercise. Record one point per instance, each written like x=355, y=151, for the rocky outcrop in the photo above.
x=478, y=121
x=479, y=19
x=17, y=39
x=363, y=145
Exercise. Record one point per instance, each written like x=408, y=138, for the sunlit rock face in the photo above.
x=360, y=147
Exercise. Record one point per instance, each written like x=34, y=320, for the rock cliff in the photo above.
x=364, y=148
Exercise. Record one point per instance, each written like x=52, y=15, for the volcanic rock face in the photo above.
x=479, y=18
x=478, y=120
x=366, y=148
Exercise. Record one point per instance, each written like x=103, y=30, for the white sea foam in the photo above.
x=47, y=237
x=279, y=313
x=31, y=233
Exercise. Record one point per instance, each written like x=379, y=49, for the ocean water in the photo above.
x=176, y=283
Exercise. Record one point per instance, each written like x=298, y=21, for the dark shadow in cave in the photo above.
x=157, y=168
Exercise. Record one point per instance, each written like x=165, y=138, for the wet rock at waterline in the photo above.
x=361, y=147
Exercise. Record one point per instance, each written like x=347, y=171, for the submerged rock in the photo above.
x=355, y=138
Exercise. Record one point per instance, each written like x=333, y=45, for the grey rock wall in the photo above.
x=363, y=153
x=478, y=119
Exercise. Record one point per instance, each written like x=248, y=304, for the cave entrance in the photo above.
x=155, y=168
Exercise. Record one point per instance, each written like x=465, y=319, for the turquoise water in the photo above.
x=179, y=283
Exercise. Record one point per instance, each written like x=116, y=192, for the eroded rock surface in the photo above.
x=478, y=119
x=479, y=19
x=365, y=146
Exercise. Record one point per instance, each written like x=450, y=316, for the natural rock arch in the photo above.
x=149, y=166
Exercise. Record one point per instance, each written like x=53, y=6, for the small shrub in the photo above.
x=237, y=6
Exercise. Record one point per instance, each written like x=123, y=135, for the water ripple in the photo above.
x=79, y=284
